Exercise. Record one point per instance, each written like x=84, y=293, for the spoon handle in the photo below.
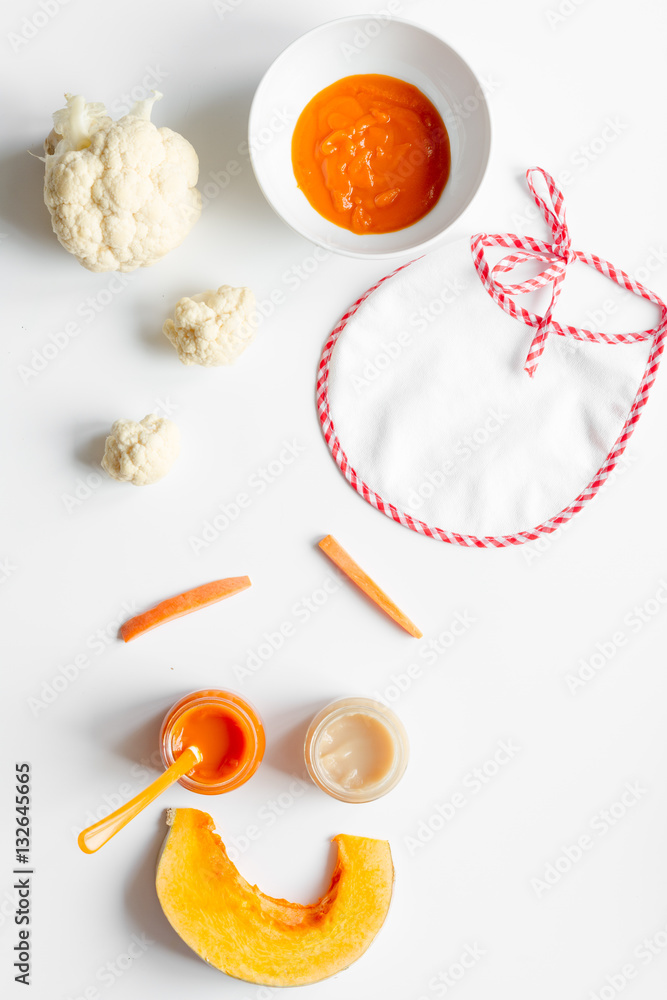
x=96, y=836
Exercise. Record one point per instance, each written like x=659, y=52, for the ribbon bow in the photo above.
x=556, y=256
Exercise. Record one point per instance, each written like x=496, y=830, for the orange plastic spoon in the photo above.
x=96, y=836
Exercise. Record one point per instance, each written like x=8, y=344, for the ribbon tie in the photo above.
x=556, y=256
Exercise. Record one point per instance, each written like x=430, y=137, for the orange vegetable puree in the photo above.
x=221, y=737
x=371, y=153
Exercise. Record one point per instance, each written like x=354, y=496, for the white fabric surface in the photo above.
x=431, y=404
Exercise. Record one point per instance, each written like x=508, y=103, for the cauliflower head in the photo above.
x=141, y=453
x=213, y=328
x=121, y=194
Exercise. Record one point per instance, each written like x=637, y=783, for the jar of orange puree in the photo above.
x=228, y=732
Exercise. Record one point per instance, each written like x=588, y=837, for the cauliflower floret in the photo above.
x=141, y=453
x=121, y=194
x=213, y=328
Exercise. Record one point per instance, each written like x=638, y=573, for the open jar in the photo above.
x=356, y=749
x=227, y=730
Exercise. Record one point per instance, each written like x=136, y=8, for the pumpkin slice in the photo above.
x=271, y=942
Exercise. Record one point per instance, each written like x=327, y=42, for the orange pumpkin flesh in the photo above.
x=271, y=942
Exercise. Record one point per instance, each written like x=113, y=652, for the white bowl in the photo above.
x=365, y=44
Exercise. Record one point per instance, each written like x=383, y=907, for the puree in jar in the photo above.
x=219, y=736
x=371, y=153
x=356, y=749
x=227, y=732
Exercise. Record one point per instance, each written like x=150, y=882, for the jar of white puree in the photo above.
x=356, y=749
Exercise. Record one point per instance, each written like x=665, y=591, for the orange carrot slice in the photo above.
x=339, y=556
x=183, y=604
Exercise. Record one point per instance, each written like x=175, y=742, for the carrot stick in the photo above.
x=183, y=604
x=339, y=556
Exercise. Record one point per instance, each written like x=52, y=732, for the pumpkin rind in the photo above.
x=271, y=942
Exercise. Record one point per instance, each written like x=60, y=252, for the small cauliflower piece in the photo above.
x=213, y=328
x=141, y=453
x=121, y=194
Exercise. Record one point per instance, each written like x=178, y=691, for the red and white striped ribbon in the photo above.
x=556, y=256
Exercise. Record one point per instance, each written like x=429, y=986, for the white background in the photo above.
x=537, y=611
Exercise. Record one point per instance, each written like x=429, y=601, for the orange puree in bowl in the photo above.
x=371, y=153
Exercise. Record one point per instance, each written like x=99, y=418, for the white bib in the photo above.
x=463, y=416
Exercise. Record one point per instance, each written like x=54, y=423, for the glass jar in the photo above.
x=356, y=749
x=228, y=731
